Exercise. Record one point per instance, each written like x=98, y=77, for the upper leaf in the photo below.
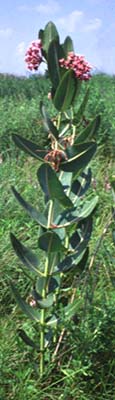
x=50, y=33
x=89, y=132
x=68, y=45
x=82, y=106
x=55, y=52
x=48, y=124
x=65, y=91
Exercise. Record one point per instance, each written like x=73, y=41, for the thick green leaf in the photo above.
x=48, y=124
x=52, y=284
x=82, y=107
x=81, y=236
x=41, y=35
x=51, y=185
x=78, y=84
x=27, y=340
x=68, y=217
x=40, y=285
x=70, y=262
x=26, y=256
x=53, y=260
x=88, y=208
x=81, y=185
x=113, y=236
x=79, y=161
x=43, y=303
x=70, y=310
x=66, y=179
x=113, y=191
x=83, y=232
x=48, y=337
x=65, y=91
x=52, y=321
x=54, y=54
x=29, y=147
x=50, y=33
x=68, y=45
x=82, y=263
x=89, y=132
x=26, y=308
x=113, y=213
x=50, y=242
x=36, y=215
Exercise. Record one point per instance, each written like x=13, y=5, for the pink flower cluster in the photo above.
x=33, y=56
x=78, y=64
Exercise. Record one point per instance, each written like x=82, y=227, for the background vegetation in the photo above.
x=85, y=367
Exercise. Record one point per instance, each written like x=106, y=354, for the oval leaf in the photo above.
x=26, y=308
x=29, y=147
x=54, y=54
x=50, y=242
x=65, y=91
x=36, y=215
x=68, y=45
x=79, y=161
x=26, y=256
x=80, y=187
x=76, y=214
x=27, y=340
x=48, y=124
x=82, y=107
x=71, y=261
x=50, y=33
x=89, y=131
x=51, y=185
x=43, y=303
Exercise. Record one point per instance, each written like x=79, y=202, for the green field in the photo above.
x=85, y=365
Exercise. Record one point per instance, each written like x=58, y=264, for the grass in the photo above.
x=85, y=364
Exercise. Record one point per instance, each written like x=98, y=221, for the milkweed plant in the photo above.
x=64, y=175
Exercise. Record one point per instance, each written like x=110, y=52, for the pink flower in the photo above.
x=33, y=56
x=78, y=64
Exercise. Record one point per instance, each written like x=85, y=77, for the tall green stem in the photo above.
x=46, y=272
x=42, y=336
x=59, y=120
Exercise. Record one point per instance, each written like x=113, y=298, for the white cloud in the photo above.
x=70, y=21
x=20, y=50
x=48, y=7
x=76, y=20
x=6, y=32
x=92, y=25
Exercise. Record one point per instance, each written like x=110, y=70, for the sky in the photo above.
x=90, y=23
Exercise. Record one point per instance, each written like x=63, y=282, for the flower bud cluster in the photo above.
x=33, y=56
x=78, y=64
